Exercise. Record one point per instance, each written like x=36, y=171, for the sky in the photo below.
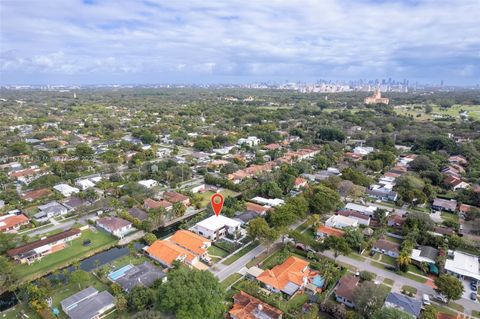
x=244, y=41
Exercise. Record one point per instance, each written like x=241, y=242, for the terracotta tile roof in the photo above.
x=346, y=286
x=175, y=197
x=259, y=209
x=36, y=194
x=168, y=252
x=152, y=204
x=273, y=146
x=12, y=221
x=292, y=270
x=25, y=172
x=329, y=231
x=248, y=307
x=190, y=241
x=464, y=208
x=300, y=181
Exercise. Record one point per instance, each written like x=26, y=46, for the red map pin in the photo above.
x=217, y=203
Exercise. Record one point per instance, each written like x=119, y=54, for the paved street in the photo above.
x=60, y=225
x=468, y=304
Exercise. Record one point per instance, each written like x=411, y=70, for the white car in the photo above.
x=426, y=299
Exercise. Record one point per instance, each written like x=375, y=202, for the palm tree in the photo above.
x=424, y=267
x=403, y=260
x=314, y=220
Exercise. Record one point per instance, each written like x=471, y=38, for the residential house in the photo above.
x=268, y=201
x=387, y=247
x=463, y=265
x=153, y=204
x=145, y=275
x=444, y=204
x=66, y=190
x=138, y=213
x=455, y=183
x=457, y=159
x=325, y=231
x=300, y=183
x=216, y=227
x=250, y=141
x=257, y=209
x=248, y=307
x=396, y=220
x=344, y=290
x=50, y=210
x=116, y=226
x=360, y=218
x=84, y=184
x=339, y=221
x=184, y=246
x=12, y=222
x=365, y=210
x=31, y=196
x=26, y=176
x=383, y=194
x=401, y=302
x=88, y=304
x=424, y=254
x=148, y=183
x=75, y=202
x=174, y=197
x=36, y=250
x=289, y=277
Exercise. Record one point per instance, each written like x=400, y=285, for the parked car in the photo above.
x=441, y=298
x=473, y=296
x=391, y=268
x=473, y=287
x=426, y=299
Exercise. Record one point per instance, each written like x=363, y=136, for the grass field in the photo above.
x=388, y=281
x=409, y=289
x=74, y=252
x=356, y=257
x=230, y=280
x=215, y=251
x=208, y=195
x=393, y=239
x=418, y=112
x=449, y=217
x=388, y=260
x=476, y=313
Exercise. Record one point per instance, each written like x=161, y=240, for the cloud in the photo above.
x=211, y=40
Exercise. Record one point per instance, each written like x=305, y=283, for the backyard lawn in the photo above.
x=75, y=252
x=206, y=196
x=449, y=217
x=216, y=251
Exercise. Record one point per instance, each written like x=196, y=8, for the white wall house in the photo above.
x=148, y=183
x=339, y=221
x=250, y=141
x=66, y=189
x=84, y=184
x=215, y=227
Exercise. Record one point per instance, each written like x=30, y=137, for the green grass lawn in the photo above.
x=74, y=252
x=456, y=306
x=303, y=226
x=415, y=269
x=230, y=280
x=240, y=253
x=476, y=313
x=414, y=277
x=449, y=217
x=388, y=281
x=216, y=251
x=206, y=196
x=409, y=289
x=388, y=260
x=454, y=111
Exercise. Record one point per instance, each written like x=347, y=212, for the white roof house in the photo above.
x=148, y=183
x=215, y=227
x=84, y=184
x=363, y=150
x=463, y=265
x=267, y=201
x=250, y=141
x=365, y=210
x=339, y=221
x=66, y=189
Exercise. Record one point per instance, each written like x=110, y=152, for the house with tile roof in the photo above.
x=174, y=197
x=153, y=204
x=288, y=278
x=191, y=242
x=166, y=252
x=118, y=227
x=12, y=222
x=256, y=208
x=344, y=290
x=31, y=196
x=246, y=306
x=325, y=231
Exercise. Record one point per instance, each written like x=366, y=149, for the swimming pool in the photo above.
x=119, y=272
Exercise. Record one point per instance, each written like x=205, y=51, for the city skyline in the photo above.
x=94, y=41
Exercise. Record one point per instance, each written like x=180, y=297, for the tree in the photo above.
x=366, y=275
x=449, y=286
x=148, y=314
x=330, y=134
x=84, y=151
x=403, y=260
x=149, y=238
x=338, y=244
x=369, y=297
x=354, y=238
x=429, y=312
x=122, y=303
x=428, y=109
x=8, y=278
x=322, y=199
x=178, y=209
x=79, y=277
x=191, y=294
x=258, y=229
x=140, y=298
x=203, y=144
x=390, y=313
x=356, y=177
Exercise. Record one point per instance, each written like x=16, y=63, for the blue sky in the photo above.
x=230, y=41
